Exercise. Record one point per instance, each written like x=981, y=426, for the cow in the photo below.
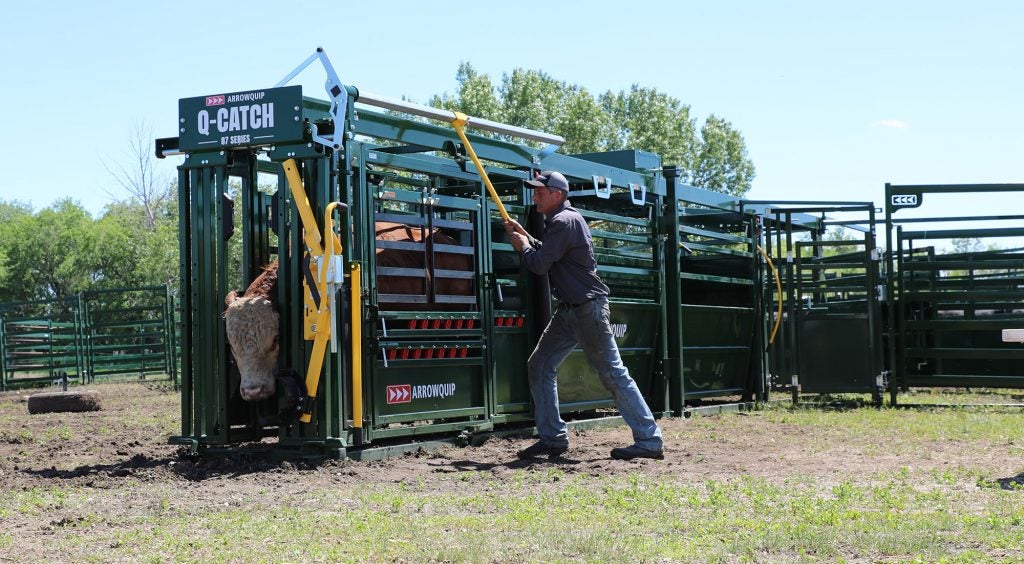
x=251, y=325
x=251, y=320
x=398, y=258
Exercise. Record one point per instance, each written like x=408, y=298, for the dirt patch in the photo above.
x=127, y=442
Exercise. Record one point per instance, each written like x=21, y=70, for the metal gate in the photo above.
x=715, y=333
x=129, y=332
x=830, y=337
x=93, y=334
x=40, y=340
x=428, y=357
x=950, y=304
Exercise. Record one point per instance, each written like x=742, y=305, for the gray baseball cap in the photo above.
x=550, y=179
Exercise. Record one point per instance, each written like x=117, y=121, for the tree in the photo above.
x=50, y=254
x=651, y=121
x=642, y=118
x=10, y=214
x=130, y=253
x=476, y=95
x=722, y=163
x=967, y=245
x=139, y=176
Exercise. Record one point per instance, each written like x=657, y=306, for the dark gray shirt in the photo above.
x=566, y=255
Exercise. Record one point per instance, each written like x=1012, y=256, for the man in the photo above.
x=566, y=255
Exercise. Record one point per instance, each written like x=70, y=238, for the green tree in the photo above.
x=50, y=254
x=722, y=163
x=641, y=118
x=967, y=245
x=10, y=214
x=649, y=120
x=476, y=95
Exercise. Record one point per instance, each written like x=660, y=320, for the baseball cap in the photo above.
x=550, y=179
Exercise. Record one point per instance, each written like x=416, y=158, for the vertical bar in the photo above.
x=356, y=351
x=890, y=298
x=185, y=294
x=673, y=295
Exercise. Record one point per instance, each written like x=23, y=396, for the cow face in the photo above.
x=251, y=324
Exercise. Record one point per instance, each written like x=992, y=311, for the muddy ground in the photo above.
x=123, y=449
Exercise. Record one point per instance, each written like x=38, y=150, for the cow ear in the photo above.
x=231, y=297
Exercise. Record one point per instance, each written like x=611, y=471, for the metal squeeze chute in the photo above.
x=328, y=258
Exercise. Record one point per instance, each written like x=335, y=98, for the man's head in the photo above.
x=550, y=189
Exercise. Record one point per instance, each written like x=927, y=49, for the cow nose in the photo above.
x=254, y=393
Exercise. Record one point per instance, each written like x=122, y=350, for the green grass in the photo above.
x=906, y=515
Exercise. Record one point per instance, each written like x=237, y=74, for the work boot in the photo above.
x=634, y=451
x=540, y=448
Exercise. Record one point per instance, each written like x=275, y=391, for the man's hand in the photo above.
x=512, y=226
x=518, y=241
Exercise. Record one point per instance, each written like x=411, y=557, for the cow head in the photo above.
x=251, y=324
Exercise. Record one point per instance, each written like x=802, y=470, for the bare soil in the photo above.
x=123, y=449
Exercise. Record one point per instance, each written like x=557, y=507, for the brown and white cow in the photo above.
x=251, y=325
x=251, y=320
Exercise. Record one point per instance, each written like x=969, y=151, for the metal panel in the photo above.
x=714, y=336
x=951, y=306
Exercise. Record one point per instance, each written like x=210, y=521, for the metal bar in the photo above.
x=952, y=188
x=355, y=284
x=951, y=233
x=963, y=218
x=972, y=353
x=448, y=116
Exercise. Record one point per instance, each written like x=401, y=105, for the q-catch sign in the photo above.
x=241, y=119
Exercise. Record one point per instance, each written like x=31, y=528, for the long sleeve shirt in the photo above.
x=566, y=255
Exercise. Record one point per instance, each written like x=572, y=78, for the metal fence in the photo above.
x=95, y=334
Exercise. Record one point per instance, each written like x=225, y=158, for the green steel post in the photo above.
x=3, y=353
x=187, y=386
x=673, y=293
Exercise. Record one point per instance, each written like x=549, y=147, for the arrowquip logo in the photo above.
x=619, y=330
x=399, y=394
x=903, y=200
x=405, y=393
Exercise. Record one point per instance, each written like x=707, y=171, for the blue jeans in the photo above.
x=586, y=325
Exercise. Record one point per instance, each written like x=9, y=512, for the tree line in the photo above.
x=61, y=250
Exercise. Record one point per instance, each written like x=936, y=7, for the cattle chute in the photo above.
x=436, y=343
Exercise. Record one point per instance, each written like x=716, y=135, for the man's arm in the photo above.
x=539, y=258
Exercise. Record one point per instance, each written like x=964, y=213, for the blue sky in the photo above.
x=834, y=99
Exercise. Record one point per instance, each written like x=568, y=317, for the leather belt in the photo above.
x=567, y=305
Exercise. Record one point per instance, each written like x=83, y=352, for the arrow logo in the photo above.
x=904, y=200
x=401, y=393
x=215, y=100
